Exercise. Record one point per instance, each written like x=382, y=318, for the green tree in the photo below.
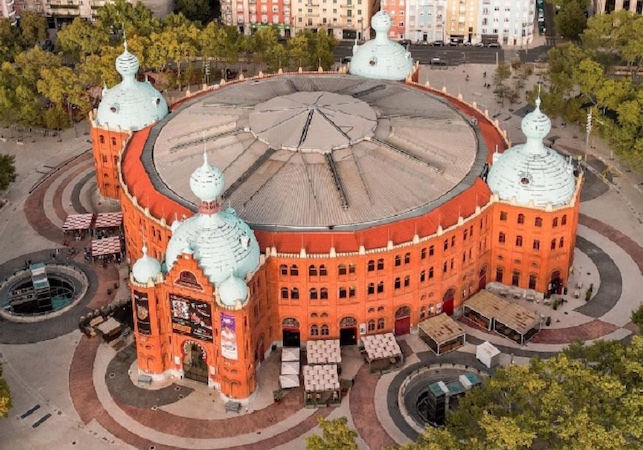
x=300, y=48
x=195, y=10
x=82, y=38
x=570, y=21
x=335, y=436
x=137, y=19
x=33, y=27
x=586, y=397
x=7, y=176
x=10, y=40
x=637, y=317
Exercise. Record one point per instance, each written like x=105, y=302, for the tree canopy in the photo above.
x=570, y=20
x=5, y=394
x=336, y=435
x=7, y=176
x=589, y=396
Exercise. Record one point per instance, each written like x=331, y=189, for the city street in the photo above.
x=449, y=56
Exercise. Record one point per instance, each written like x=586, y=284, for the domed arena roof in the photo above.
x=145, y=268
x=231, y=290
x=131, y=104
x=531, y=172
x=381, y=58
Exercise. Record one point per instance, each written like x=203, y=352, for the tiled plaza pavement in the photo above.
x=590, y=330
x=362, y=404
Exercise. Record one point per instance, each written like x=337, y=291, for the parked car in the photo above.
x=404, y=42
x=479, y=44
x=493, y=45
x=347, y=59
x=437, y=62
x=437, y=43
x=453, y=43
x=467, y=44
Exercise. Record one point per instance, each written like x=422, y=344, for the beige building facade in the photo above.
x=608, y=6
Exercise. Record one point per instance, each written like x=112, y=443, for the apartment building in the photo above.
x=509, y=22
x=347, y=19
x=608, y=6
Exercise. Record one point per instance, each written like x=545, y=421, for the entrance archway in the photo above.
x=556, y=283
x=448, y=302
x=290, y=334
x=195, y=365
x=482, y=278
x=348, y=331
x=402, y=320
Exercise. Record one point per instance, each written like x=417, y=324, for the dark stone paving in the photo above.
x=593, y=188
x=26, y=333
x=75, y=193
x=611, y=286
x=122, y=389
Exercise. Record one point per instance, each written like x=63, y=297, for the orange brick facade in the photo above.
x=338, y=285
x=106, y=146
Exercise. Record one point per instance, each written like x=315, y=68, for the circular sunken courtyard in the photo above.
x=321, y=151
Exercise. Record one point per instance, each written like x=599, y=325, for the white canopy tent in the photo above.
x=288, y=381
x=290, y=368
x=290, y=354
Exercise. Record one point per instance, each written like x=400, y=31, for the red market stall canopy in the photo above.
x=76, y=222
x=107, y=246
x=108, y=220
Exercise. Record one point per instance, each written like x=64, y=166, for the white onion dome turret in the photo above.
x=381, y=58
x=131, y=104
x=219, y=240
x=207, y=182
x=532, y=172
x=231, y=290
x=145, y=268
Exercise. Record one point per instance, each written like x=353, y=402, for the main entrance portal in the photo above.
x=195, y=366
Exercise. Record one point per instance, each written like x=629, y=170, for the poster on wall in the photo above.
x=228, y=336
x=191, y=317
x=141, y=303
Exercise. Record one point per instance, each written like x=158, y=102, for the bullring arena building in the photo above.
x=280, y=209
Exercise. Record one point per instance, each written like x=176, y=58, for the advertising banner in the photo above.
x=191, y=317
x=141, y=303
x=228, y=337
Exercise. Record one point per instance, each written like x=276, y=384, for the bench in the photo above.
x=145, y=379
x=233, y=407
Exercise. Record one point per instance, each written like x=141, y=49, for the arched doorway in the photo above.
x=348, y=331
x=195, y=365
x=556, y=284
x=448, y=302
x=290, y=332
x=482, y=279
x=402, y=320
x=260, y=351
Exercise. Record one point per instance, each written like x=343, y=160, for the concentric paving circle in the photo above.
x=312, y=121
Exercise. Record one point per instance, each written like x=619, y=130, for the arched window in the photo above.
x=422, y=312
x=407, y=258
x=445, y=267
x=294, y=294
x=518, y=241
x=341, y=269
x=533, y=279
x=371, y=325
x=538, y=221
x=314, y=330
x=423, y=253
x=430, y=273
x=380, y=264
x=351, y=291
x=371, y=265
x=294, y=271
x=323, y=271
x=464, y=234
x=324, y=315
x=104, y=158
x=503, y=215
x=325, y=330
x=515, y=278
x=113, y=142
x=452, y=241
x=312, y=294
x=313, y=315
x=352, y=268
x=101, y=138
x=371, y=288
x=398, y=260
x=563, y=220
x=380, y=308
x=553, y=244
x=521, y=219
x=342, y=292
x=312, y=271
x=283, y=269
x=371, y=310
x=555, y=223
x=323, y=293
x=380, y=323
x=380, y=287
x=561, y=243
x=398, y=283
x=536, y=244
x=445, y=245
x=407, y=281
x=284, y=293
x=501, y=237
x=431, y=250
x=431, y=310
x=499, y=273
x=422, y=276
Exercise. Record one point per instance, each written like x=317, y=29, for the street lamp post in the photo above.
x=588, y=129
